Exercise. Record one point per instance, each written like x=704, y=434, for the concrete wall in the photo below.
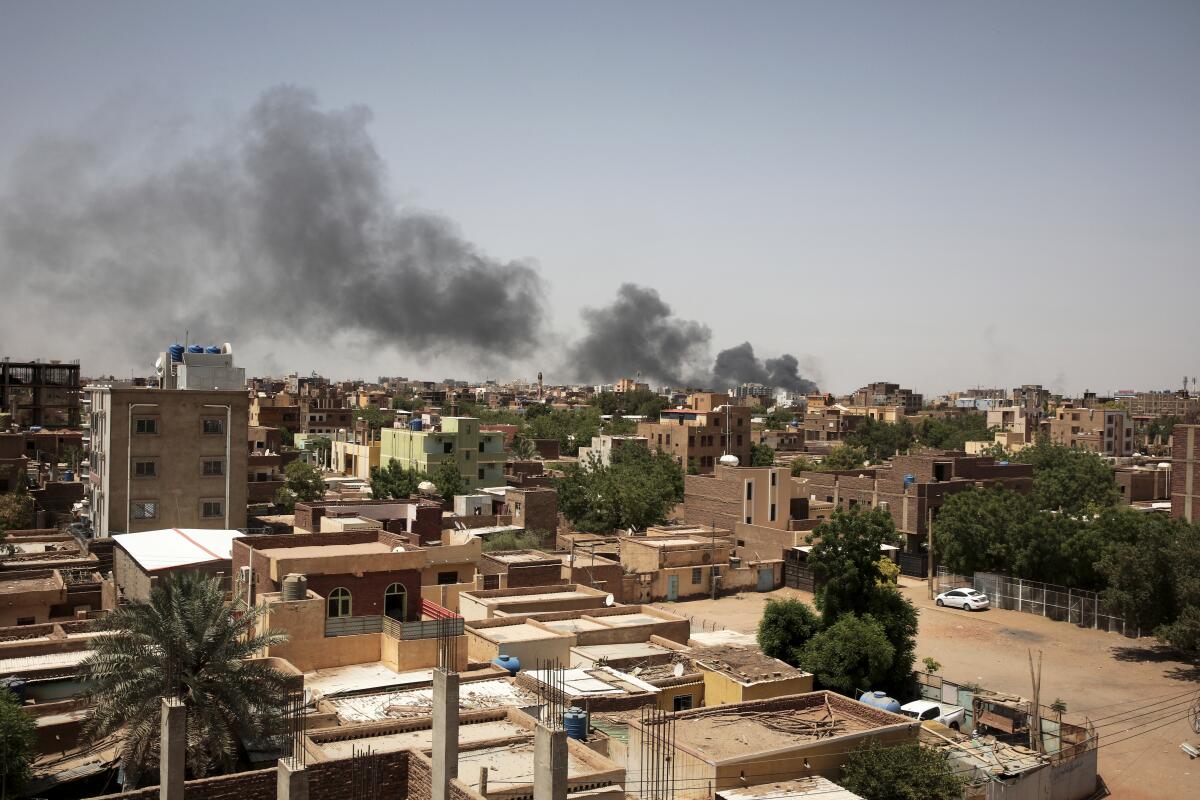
x=529, y=651
x=307, y=647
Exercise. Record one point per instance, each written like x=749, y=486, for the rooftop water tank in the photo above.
x=415, y=425
x=196, y=348
x=427, y=487
x=295, y=587
x=575, y=720
x=1164, y=465
x=510, y=663
x=176, y=351
x=214, y=349
x=728, y=460
x=909, y=480
x=881, y=700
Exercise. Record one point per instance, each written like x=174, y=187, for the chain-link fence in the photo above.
x=1061, y=603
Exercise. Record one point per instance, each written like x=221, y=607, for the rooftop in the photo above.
x=816, y=786
x=361, y=677
x=469, y=732
x=327, y=550
x=177, y=547
x=418, y=701
x=520, y=556
x=46, y=582
x=745, y=665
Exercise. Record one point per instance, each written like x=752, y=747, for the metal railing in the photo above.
x=353, y=626
x=1060, y=603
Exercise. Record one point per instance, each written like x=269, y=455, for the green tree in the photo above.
x=845, y=559
x=304, y=481
x=186, y=642
x=523, y=448
x=448, y=480
x=375, y=417
x=901, y=772
x=780, y=418
x=953, y=433
x=881, y=440
x=512, y=540
x=72, y=456
x=803, y=464
x=851, y=655
x=844, y=457
x=638, y=489
x=761, y=455
x=1146, y=555
x=570, y=428
x=642, y=401
x=395, y=481
x=403, y=403
x=785, y=628
x=18, y=745
x=1069, y=480
x=975, y=529
x=287, y=437
x=17, y=511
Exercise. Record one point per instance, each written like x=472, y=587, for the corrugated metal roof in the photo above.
x=177, y=547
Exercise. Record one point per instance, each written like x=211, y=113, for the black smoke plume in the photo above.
x=282, y=227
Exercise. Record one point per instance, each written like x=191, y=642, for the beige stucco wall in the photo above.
x=307, y=647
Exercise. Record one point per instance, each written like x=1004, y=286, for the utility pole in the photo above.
x=929, y=547
x=712, y=558
x=1035, y=718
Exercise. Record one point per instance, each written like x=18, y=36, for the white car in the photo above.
x=948, y=715
x=969, y=599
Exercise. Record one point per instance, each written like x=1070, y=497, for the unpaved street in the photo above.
x=1088, y=669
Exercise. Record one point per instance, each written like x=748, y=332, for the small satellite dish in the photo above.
x=609, y=600
x=678, y=671
x=398, y=549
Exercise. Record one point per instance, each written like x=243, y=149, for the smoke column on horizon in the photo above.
x=283, y=227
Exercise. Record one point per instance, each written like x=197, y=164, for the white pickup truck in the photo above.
x=948, y=715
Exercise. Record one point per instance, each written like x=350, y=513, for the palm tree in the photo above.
x=187, y=642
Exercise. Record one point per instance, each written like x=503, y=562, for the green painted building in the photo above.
x=479, y=455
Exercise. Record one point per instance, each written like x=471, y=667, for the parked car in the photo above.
x=969, y=599
x=923, y=710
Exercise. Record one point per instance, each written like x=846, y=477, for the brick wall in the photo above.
x=706, y=499
x=367, y=592
x=1185, y=479
x=534, y=509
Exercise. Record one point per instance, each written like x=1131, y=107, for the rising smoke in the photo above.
x=283, y=227
x=639, y=333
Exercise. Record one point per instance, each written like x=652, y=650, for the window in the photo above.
x=739, y=440
x=749, y=490
x=447, y=447
x=741, y=542
x=749, y=520
x=145, y=425
x=213, y=466
x=338, y=604
x=447, y=578
x=697, y=574
x=668, y=438
x=145, y=510
x=467, y=455
x=772, y=512
x=683, y=702
x=25, y=620
x=481, y=473
x=211, y=508
x=395, y=601
x=691, y=441
x=774, y=479
x=145, y=469
x=481, y=446
x=212, y=425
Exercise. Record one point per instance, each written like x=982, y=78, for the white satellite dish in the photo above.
x=678, y=671
x=609, y=600
x=398, y=549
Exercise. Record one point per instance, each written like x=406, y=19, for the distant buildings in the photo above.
x=888, y=394
x=1185, y=477
x=605, y=445
x=1105, y=431
x=697, y=436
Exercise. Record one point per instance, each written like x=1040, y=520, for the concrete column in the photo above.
x=549, y=764
x=445, y=733
x=292, y=780
x=172, y=749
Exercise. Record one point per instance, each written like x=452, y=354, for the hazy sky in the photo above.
x=944, y=194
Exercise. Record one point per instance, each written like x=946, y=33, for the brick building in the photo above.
x=881, y=393
x=697, y=436
x=520, y=568
x=534, y=508
x=40, y=393
x=1106, y=431
x=422, y=518
x=1166, y=403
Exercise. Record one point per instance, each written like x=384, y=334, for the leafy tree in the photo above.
x=287, y=437
x=802, y=464
x=73, y=456
x=785, y=628
x=851, y=655
x=523, y=448
x=18, y=744
x=975, y=528
x=512, y=540
x=890, y=571
x=845, y=559
x=761, y=455
x=407, y=403
x=395, y=481
x=780, y=418
x=901, y=772
x=536, y=410
x=570, y=428
x=186, y=642
x=1069, y=480
x=881, y=440
x=17, y=511
x=448, y=480
x=1141, y=567
x=931, y=664
x=638, y=489
x=953, y=433
x=642, y=401
x=375, y=417
x=899, y=619
x=844, y=457
x=304, y=481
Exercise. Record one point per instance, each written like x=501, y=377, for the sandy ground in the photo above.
x=1103, y=676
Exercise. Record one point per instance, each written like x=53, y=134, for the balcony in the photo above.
x=353, y=626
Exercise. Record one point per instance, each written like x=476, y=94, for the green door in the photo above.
x=672, y=587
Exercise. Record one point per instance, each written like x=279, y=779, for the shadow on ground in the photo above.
x=1181, y=668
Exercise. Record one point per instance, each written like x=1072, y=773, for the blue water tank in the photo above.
x=68, y=475
x=176, y=351
x=575, y=720
x=881, y=700
x=214, y=349
x=510, y=663
x=909, y=480
x=196, y=348
x=1004, y=463
x=414, y=425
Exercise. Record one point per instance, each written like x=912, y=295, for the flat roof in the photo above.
x=41, y=583
x=525, y=598
x=573, y=625
x=326, y=550
x=361, y=677
x=509, y=764
x=521, y=557
x=596, y=682
x=418, y=702
x=522, y=632
x=629, y=620
x=594, y=652
x=422, y=738
x=177, y=547
x=816, y=786
x=746, y=665
x=723, y=637
x=69, y=658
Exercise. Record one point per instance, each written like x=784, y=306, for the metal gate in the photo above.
x=672, y=588
x=798, y=577
x=914, y=565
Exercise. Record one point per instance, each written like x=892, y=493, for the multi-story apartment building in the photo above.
x=756, y=391
x=280, y=410
x=1101, y=430
x=37, y=393
x=174, y=457
x=318, y=421
x=697, y=436
x=888, y=394
x=1161, y=404
x=1031, y=396
x=605, y=445
x=479, y=455
x=1185, y=475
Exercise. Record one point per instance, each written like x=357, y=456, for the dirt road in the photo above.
x=1136, y=695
